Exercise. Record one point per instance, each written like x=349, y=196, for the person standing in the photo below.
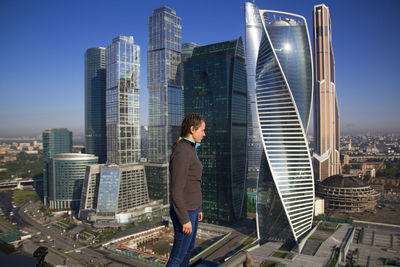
x=185, y=189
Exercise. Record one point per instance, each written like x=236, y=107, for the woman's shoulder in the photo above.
x=182, y=146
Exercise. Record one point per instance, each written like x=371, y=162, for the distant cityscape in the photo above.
x=269, y=191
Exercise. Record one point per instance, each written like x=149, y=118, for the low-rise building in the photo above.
x=112, y=190
x=346, y=194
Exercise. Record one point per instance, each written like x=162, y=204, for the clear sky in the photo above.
x=42, y=46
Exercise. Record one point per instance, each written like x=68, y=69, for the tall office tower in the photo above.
x=326, y=112
x=55, y=141
x=215, y=88
x=165, y=96
x=283, y=87
x=109, y=190
x=122, y=101
x=95, y=103
x=66, y=176
x=253, y=39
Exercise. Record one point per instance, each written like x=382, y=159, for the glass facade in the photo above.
x=95, y=103
x=55, y=141
x=122, y=101
x=120, y=189
x=215, y=88
x=67, y=173
x=108, y=191
x=253, y=39
x=165, y=91
x=283, y=82
x=157, y=184
x=164, y=82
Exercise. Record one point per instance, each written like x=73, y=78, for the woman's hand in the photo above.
x=200, y=216
x=187, y=228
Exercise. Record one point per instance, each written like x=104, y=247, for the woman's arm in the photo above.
x=179, y=168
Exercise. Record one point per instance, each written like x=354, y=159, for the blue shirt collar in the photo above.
x=196, y=145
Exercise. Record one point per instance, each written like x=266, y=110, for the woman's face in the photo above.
x=199, y=133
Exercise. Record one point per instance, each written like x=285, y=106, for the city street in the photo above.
x=62, y=248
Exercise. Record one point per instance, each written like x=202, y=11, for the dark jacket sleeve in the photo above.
x=179, y=167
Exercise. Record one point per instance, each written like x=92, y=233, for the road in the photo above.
x=64, y=246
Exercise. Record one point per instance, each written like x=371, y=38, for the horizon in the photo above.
x=39, y=92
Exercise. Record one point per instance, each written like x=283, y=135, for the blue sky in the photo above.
x=42, y=46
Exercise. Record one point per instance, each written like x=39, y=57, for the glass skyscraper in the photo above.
x=66, y=176
x=279, y=51
x=95, y=103
x=326, y=110
x=165, y=94
x=253, y=38
x=119, y=185
x=215, y=88
x=55, y=141
x=122, y=101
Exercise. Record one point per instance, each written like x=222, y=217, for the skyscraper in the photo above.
x=55, y=141
x=215, y=88
x=326, y=112
x=95, y=103
x=119, y=185
x=253, y=39
x=66, y=176
x=122, y=101
x=164, y=83
x=165, y=95
x=283, y=91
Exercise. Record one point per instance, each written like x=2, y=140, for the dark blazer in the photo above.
x=185, y=179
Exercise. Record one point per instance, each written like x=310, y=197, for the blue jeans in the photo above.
x=183, y=244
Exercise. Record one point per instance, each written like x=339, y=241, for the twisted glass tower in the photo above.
x=279, y=67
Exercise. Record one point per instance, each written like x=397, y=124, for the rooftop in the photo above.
x=340, y=181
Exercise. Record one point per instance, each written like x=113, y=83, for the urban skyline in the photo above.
x=50, y=94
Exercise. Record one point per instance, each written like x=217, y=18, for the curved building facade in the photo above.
x=283, y=80
x=67, y=175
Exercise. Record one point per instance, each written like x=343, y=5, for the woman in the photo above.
x=185, y=189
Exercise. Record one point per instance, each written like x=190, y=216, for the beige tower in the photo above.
x=326, y=158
